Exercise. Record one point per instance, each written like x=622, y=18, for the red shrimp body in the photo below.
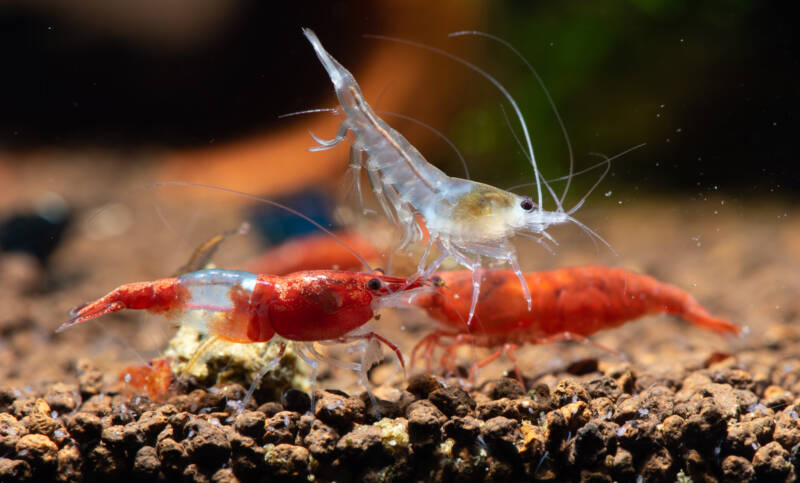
x=577, y=300
x=316, y=251
x=244, y=307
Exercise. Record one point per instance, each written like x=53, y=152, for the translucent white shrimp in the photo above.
x=466, y=219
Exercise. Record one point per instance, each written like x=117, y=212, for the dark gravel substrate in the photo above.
x=728, y=420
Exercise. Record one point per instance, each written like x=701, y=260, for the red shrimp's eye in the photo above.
x=526, y=204
x=437, y=281
x=374, y=284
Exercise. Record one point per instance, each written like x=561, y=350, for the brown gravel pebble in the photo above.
x=10, y=432
x=38, y=451
x=462, y=430
x=206, y=443
x=146, y=464
x=423, y=384
x=90, y=379
x=247, y=457
x=771, y=462
x=339, y=411
x=172, y=455
x=288, y=462
x=15, y=470
x=737, y=469
x=502, y=435
x=321, y=441
x=280, y=428
x=424, y=423
x=454, y=401
x=503, y=387
x=362, y=443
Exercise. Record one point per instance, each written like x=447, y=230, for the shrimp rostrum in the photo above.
x=467, y=220
x=243, y=307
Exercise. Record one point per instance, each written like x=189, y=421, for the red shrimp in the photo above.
x=568, y=304
x=153, y=378
x=316, y=251
x=243, y=307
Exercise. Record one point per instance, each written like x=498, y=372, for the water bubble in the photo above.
x=608, y=193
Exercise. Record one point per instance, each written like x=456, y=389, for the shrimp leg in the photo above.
x=355, y=171
x=198, y=352
x=324, y=144
x=261, y=373
x=508, y=350
x=378, y=188
x=477, y=274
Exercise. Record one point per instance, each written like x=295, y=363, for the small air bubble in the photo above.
x=662, y=106
x=608, y=193
x=679, y=130
x=694, y=284
x=716, y=212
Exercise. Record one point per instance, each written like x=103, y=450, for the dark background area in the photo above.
x=710, y=86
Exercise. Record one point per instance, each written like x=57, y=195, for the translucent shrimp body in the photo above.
x=465, y=219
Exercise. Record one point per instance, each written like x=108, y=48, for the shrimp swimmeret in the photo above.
x=467, y=220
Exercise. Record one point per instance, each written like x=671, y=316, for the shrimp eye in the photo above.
x=374, y=284
x=526, y=204
x=437, y=281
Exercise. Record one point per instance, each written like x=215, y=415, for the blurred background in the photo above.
x=710, y=86
x=99, y=99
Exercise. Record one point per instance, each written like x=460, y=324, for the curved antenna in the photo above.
x=491, y=79
x=585, y=170
x=559, y=206
x=436, y=132
x=309, y=111
x=595, y=185
x=544, y=89
x=265, y=201
x=605, y=172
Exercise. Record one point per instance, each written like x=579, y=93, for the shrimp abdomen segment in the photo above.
x=229, y=304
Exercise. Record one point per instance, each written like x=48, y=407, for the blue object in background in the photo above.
x=276, y=225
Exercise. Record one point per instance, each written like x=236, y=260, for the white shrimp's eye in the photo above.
x=526, y=204
x=374, y=284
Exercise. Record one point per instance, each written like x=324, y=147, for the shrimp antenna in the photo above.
x=585, y=170
x=607, y=162
x=436, y=132
x=560, y=207
x=265, y=201
x=309, y=111
x=544, y=89
x=491, y=79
